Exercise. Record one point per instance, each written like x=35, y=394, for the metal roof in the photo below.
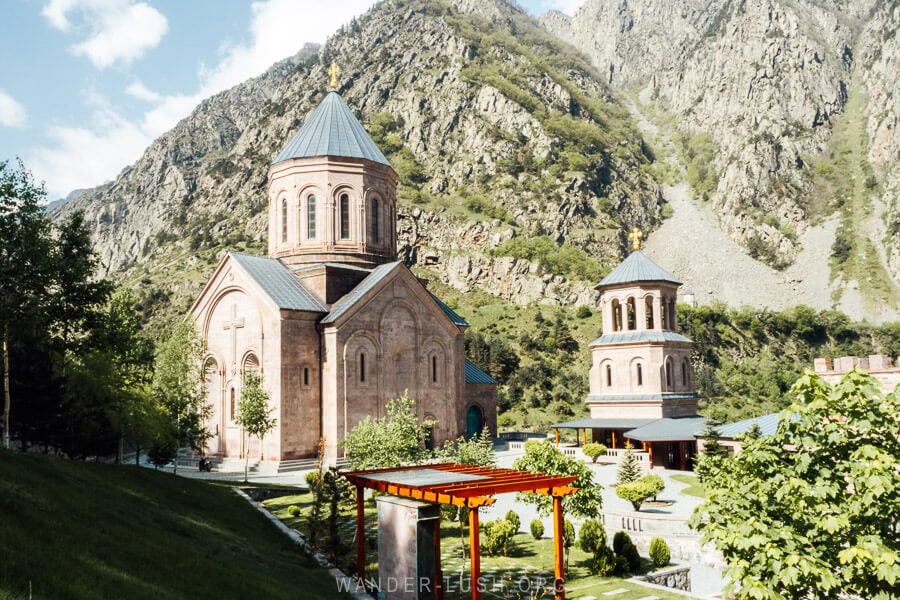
x=476, y=375
x=277, y=281
x=603, y=424
x=623, y=337
x=332, y=130
x=668, y=430
x=642, y=397
x=347, y=302
x=768, y=424
x=637, y=267
x=457, y=320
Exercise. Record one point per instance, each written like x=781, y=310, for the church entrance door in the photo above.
x=474, y=422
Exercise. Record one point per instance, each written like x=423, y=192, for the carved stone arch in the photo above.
x=362, y=360
x=687, y=374
x=218, y=299
x=637, y=372
x=436, y=355
x=649, y=302
x=399, y=326
x=616, y=307
x=668, y=373
x=607, y=373
x=630, y=317
x=353, y=204
x=250, y=360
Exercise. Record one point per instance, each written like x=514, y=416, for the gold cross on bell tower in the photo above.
x=333, y=72
x=635, y=236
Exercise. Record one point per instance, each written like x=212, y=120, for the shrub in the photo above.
x=592, y=450
x=583, y=312
x=659, y=552
x=294, y=510
x=627, y=557
x=592, y=536
x=537, y=529
x=514, y=520
x=312, y=479
x=620, y=540
x=568, y=534
x=654, y=483
x=635, y=492
x=497, y=535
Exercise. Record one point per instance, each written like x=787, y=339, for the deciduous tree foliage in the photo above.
x=254, y=414
x=542, y=457
x=387, y=441
x=812, y=511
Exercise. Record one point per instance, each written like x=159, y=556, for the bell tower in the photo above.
x=332, y=193
x=641, y=365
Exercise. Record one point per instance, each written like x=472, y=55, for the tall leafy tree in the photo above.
x=254, y=414
x=179, y=386
x=812, y=511
x=25, y=266
x=543, y=457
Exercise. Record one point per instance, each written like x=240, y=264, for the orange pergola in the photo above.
x=462, y=485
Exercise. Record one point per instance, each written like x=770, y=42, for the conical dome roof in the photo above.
x=332, y=130
x=637, y=267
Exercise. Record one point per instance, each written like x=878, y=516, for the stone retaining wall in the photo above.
x=677, y=578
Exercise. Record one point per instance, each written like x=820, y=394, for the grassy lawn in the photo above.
x=693, y=485
x=529, y=561
x=84, y=530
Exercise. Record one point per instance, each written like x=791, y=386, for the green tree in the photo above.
x=390, y=441
x=592, y=540
x=25, y=265
x=537, y=529
x=593, y=451
x=659, y=552
x=478, y=451
x=812, y=510
x=179, y=386
x=497, y=536
x=637, y=492
x=543, y=457
x=712, y=454
x=254, y=414
x=629, y=468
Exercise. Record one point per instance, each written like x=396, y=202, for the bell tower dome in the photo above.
x=332, y=194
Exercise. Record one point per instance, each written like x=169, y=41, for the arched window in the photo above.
x=305, y=375
x=664, y=314
x=608, y=376
x=362, y=367
x=684, y=373
x=232, y=404
x=640, y=375
x=631, y=314
x=433, y=368
x=345, y=217
x=311, y=217
x=648, y=312
x=284, y=220
x=375, y=224
x=673, y=316
x=668, y=374
x=616, y=316
x=251, y=363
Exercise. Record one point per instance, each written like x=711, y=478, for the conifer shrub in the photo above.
x=294, y=510
x=592, y=539
x=593, y=450
x=629, y=468
x=627, y=557
x=514, y=520
x=659, y=552
x=497, y=537
x=537, y=529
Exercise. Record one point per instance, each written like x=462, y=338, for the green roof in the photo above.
x=476, y=375
x=277, y=282
x=623, y=337
x=457, y=320
x=332, y=130
x=668, y=430
x=637, y=267
x=603, y=424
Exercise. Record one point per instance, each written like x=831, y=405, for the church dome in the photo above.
x=637, y=268
x=332, y=130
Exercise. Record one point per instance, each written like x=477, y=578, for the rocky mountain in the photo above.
x=793, y=103
x=524, y=160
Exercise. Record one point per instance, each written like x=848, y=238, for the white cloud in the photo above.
x=80, y=157
x=12, y=114
x=120, y=31
x=140, y=91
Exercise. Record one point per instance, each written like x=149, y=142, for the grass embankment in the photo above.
x=693, y=485
x=85, y=530
x=529, y=563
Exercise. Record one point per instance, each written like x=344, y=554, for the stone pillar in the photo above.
x=406, y=548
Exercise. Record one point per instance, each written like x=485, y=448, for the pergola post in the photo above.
x=475, y=552
x=438, y=574
x=557, y=437
x=360, y=536
x=614, y=438
x=558, y=549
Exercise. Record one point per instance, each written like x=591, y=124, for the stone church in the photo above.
x=334, y=323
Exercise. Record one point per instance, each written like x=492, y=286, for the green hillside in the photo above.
x=85, y=530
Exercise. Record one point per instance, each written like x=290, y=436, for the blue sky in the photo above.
x=92, y=82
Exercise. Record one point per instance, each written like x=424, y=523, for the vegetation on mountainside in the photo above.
x=85, y=530
x=845, y=182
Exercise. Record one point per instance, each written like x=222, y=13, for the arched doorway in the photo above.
x=474, y=421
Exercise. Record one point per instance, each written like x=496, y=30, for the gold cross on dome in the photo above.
x=635, y=237
x=333, y=72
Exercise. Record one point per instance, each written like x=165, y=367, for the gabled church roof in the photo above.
x=637, y=267
x=277, y=282
x=332, y=130
x=476, y=375
x=347, y=302
x=457, y=320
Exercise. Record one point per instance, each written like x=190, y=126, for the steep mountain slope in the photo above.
x=508, y=148
x=794, y=104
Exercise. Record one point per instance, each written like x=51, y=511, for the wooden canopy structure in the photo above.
x=467, y=486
